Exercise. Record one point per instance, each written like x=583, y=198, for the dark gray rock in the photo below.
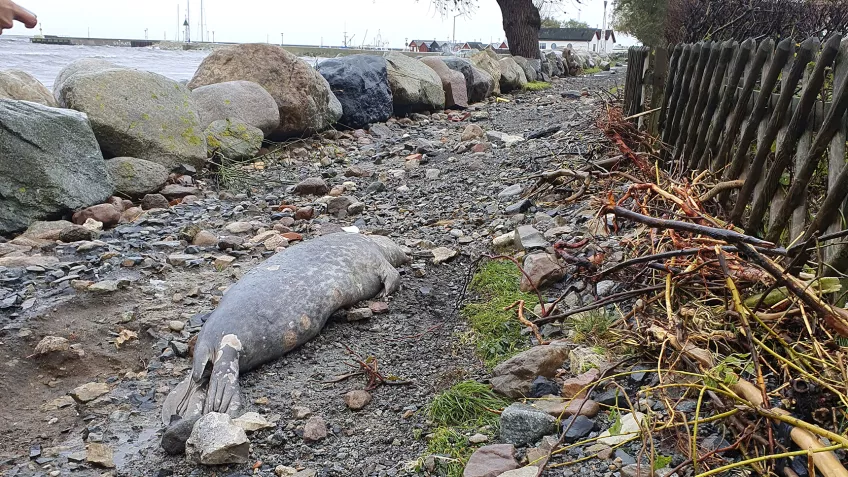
x=478, y=83
x=135, y=177
x=242, y=100
x=542, y=386
x=611, y=397
x=361, y=84
x=50, y=164
x=519, y=207
x=175, y=436
x=523, y=424
x=581, y=426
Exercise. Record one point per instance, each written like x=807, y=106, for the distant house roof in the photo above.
x=476, y=45
x=422, y=42
x=610, y=35
x=567, y=34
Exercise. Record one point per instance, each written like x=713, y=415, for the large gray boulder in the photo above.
x=532, y=68
x=17, y=84
x=138, y=114
x=50, y=164
x=453, y=82
x=135, y=177
x=242, y=100
x=82, y=66
x=303, y=96
x=233, y=139
x=361, y=84
x=415, y=86
x=555, y=64
x=478, y=83
x=490, y=65
x=512, y=75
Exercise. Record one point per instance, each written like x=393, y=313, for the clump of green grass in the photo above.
x=591, y=71
x=497, y=333
x=537, y=85
x=591, y=327
x=467, y=404
x=452, y=451
x=464, y=407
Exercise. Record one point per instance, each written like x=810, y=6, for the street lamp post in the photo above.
x=453, y=41
x=282, y=39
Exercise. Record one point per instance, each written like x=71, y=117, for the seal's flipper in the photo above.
x=390, y=278
x=223, y=393
x=185, y=401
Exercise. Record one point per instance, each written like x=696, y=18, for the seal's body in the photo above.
x=276, y=307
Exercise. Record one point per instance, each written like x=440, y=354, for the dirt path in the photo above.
x=417, y=340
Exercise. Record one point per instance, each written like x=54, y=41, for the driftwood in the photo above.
x=728, y=236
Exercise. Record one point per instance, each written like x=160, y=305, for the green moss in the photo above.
x=466, y=404
x=145, y=116
x=497, y=333
x=126, y=170
x=227, y=101
x=537, y=86
x=591, y=71
x=190, y=137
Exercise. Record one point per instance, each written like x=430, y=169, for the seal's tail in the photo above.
x=185, y=401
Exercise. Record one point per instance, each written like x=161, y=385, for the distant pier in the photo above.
x=299, y=50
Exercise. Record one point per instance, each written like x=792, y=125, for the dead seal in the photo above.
x=279, y=305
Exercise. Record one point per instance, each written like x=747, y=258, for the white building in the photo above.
x=590, y=39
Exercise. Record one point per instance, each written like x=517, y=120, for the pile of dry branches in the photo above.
x=721, y=318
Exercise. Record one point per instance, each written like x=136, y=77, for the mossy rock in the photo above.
x=136, y=177
x=233, y=139
x=138, y=114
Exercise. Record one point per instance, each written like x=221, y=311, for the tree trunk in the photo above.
x=521, y=22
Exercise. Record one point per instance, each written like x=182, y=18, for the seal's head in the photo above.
x=392, y=251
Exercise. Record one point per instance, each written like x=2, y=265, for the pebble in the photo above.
x=99, y=455
x=176, y=325
x=443, y=254
x=358, y=399
x=478, y=438
x=89, y=392
x=315, y=429
x=359, y=314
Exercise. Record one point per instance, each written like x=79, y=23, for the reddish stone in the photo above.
x=481, y=147
x=379, y=307
x=117, y=203
x=304, y=213
x=572, y=386
x=292, y=236
x=414, y=157
x=105, y=213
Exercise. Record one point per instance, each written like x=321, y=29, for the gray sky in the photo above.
x=303, y=22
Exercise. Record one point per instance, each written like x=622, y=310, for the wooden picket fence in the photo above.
x=772, y=116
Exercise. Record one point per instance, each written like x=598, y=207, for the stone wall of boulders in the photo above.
x=112, y=134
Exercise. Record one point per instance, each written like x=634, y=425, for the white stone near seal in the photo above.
x=216, y=440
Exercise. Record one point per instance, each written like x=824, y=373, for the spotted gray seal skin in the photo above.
x=279, y=305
